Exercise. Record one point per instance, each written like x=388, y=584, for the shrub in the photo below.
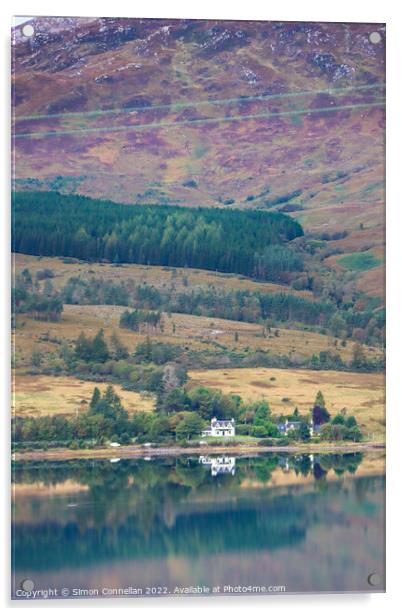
x=45, y=273
x=338, y=420
x=243, y=429
x=350, y=421
x=258, y=431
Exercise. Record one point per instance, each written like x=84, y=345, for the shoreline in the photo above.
x=127, y=452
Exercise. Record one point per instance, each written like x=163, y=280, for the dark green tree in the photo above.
x=96, y=396
x=191, y=425
x=99, y=350
x=303, y=432
x=120, y=350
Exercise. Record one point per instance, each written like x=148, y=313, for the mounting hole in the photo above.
x=375, y=38
x=27, y=585
x=374, y=579
x=28, y=30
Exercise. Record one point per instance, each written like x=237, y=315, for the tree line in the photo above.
x=36, y=305
x=236, y=305
x=253, y=243
x=137, y=318
x=181, y=415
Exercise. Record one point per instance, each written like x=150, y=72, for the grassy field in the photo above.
x=363, y=395
x=359, y=261
x=50, y=395
x=160, y=277
x=192, y=332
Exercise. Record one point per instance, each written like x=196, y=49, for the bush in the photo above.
x=354, y=434
x=122, y=369
x=56, y=366
x=258, y=431
x=266, y=442
x=45, y=273
x=338, y=420
x=243, y=429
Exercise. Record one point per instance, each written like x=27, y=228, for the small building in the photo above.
x=288, y=426
x=220, y=427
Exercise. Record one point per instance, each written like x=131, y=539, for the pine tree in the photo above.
x=319, y=399
x=120, y=350
x=112, y=398
x=320, y=413
x=99, y=351
x=83, y=347
x=96, y=396
x=147, y=352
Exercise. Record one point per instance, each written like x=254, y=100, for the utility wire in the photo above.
x=223, y=101
x=162, y=125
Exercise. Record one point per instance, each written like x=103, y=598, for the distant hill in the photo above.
x=232, y=114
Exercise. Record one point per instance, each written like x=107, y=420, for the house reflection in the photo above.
x=221, y=465
x=287, y=463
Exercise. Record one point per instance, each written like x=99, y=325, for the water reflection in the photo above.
x=219, y=465
x=312, y=522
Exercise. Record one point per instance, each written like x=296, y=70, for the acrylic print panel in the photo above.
x=198, y=307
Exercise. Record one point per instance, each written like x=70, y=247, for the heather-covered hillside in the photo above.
x=257, y=115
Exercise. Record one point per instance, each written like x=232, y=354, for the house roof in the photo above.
x=222, y=423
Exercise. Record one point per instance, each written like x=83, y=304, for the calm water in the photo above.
x=309, y=523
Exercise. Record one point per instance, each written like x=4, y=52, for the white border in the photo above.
x=290, y=10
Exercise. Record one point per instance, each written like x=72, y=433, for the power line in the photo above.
x=162, y=125
x=223, y=101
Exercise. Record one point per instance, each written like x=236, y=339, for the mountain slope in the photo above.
x=233, y=114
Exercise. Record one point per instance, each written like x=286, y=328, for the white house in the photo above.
x=220, y=427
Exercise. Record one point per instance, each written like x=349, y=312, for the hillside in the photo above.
x=197, y=206
x=230, y=114
x=43, y=285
